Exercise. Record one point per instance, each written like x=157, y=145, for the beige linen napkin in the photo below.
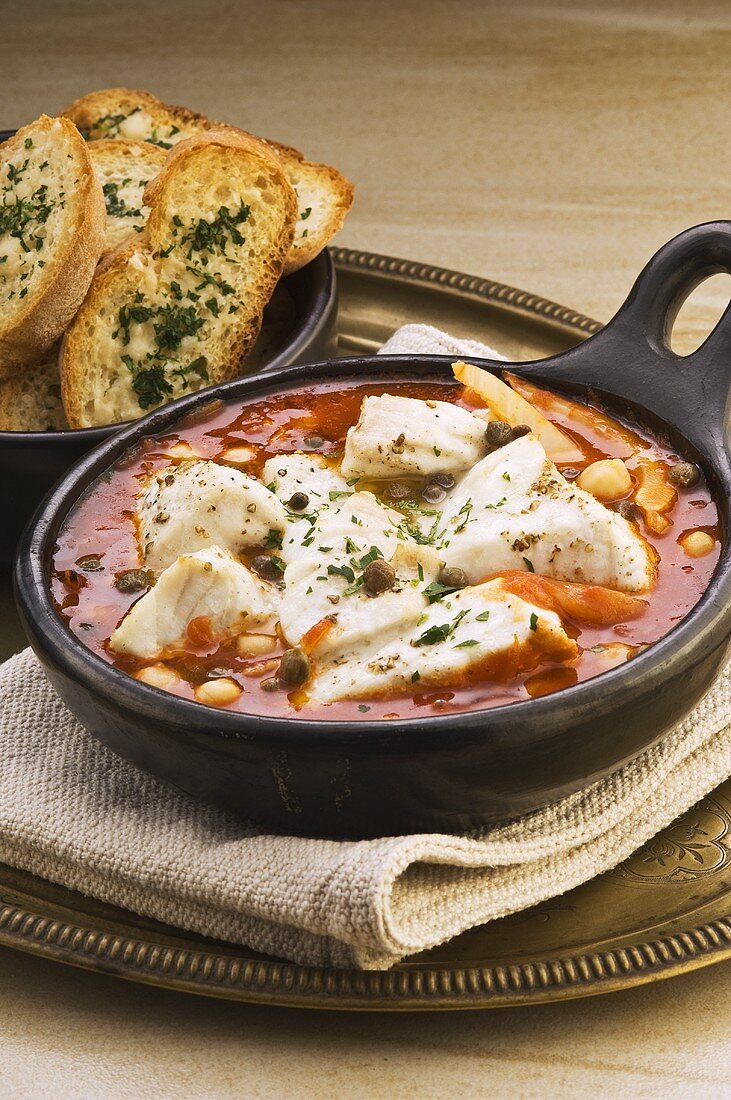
x=74, y=813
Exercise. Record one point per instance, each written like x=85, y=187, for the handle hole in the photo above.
x=700, y=313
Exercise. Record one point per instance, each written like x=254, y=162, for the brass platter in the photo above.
x=664, y=911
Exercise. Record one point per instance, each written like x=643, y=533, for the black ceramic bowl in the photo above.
x=448, y=772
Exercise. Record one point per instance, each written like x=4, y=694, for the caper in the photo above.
x=628, y=509
x=453, y=577
x=497, y=433
x=294, y=667
x=298, y=502
x=378, y=577
x=134, y=580
x=92, y=563
x=314, y=441
x=433, y=493
x=398, y=491
x=266, y=567
x=444, y=481
x=685, y=475
x=520, y=430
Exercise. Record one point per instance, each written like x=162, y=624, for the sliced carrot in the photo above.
x=586, y=603
x=200, y=631
x=312, y=638
x=514, y=409
x=655, y=496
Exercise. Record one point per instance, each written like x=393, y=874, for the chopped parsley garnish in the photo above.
x=415, y=678
x=273, y=539
x=436, y=591
x=372, y=554
x=150, y=385
x=214, y=236
x=466, y=645
x=482, y=617
x=433, y=635
x=529, y=565
x=342, y=571
x=116, y=206
x=464, y=511
x=17, y=218
x=305, y=214
x=174, y=324
x=533, y=621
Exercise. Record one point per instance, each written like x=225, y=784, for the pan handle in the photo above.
x=631, y=357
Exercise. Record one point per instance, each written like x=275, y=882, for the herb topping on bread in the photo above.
x=324, y=196
x=180, y=304
x=51, y=236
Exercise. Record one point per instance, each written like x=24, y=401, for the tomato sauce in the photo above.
x=102, y=525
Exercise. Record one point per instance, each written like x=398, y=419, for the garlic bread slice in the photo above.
x=51, y=236
x=324, y=195
x=30, y=399
x=124, y=169
x=179, y=306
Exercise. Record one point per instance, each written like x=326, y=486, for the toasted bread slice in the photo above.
x=124, y=168
x=30, y=399
x=324, y=195
x=51, y=236
x=180, y=305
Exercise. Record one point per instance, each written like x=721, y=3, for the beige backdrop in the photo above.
x=553, y=146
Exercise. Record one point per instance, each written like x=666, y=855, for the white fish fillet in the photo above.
x=514, y=507
x=480, y=631
x=329, y=588
x=306, y=473
x=403, y=436
x=209, y=582
x=349, y=524
x=201, y=503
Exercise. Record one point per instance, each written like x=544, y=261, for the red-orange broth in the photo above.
x=102, y=524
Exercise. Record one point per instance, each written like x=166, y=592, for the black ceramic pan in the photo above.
x=30, y=462
x=449, y=772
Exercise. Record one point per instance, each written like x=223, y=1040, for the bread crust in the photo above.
x=340, y=192
x=27, y=333
x=85, y=111
x=116, y=264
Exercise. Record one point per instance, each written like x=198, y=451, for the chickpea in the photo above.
x=607, y=479
x=181, y=449
x=238, y=456
x=253, y=645
x=158, y=676
x=218, y=693
x=697, y=544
